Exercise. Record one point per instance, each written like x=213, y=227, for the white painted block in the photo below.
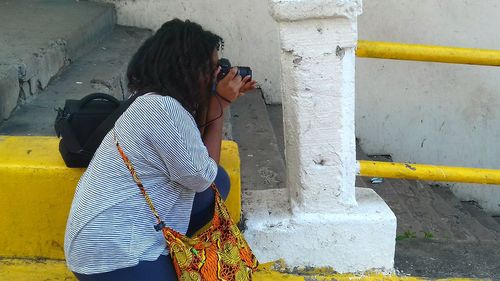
x=318, y=99
x=357, y=239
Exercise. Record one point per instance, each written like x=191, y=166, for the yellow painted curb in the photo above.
x=47, y=270
x=230, y=160
x=36, y=190
x=33, y=270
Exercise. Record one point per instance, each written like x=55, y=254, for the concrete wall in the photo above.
x=427, y=112
x=249, y=32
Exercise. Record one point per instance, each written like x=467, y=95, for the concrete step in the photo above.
x=38, y=38
x=402, y=201
x=434, y=211
x=464, y=226
x=477, y=212
x=484, y=226
x=275, y=113
x=101, y=69
x=497, y=219
x=261, y=160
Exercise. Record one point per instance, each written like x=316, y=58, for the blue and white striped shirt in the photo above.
x=110, y=226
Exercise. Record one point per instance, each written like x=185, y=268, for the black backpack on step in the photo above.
x=84, y=123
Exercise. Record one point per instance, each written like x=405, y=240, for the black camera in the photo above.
x=225, y=66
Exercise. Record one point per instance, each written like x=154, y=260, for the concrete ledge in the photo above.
x=293, y=10
x=357, y=239
x=50, y=270
x=101, y=70
x=40, y=38
x=9, y=90
x=36, y=190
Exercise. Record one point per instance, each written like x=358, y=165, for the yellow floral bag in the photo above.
x=218, y=253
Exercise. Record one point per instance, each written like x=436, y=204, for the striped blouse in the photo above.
x=110, y=225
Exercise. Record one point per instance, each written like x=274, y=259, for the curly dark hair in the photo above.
x=176, y=61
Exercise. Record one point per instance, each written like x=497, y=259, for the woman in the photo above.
x=172, y=135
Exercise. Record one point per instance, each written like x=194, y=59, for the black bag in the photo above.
x=84, y=123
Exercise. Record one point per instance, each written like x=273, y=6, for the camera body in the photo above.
x=225, y=66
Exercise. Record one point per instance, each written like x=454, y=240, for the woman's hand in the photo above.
x=229, y=87
x=248, y=85
x=233, y=86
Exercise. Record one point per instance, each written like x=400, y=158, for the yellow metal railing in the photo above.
x=414, y=52
x=428, y=172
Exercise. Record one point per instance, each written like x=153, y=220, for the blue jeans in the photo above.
x=162, y=268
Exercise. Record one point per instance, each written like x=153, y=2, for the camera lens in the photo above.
x=244, y=71
x=224, y=63
x=225, y=66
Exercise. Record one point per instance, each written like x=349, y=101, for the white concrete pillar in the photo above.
x=317, y=41
x=321, y=219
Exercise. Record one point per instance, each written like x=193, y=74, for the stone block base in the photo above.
x=357, y=239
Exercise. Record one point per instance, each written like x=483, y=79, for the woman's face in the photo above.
x=215, y=57
x=208, y=80
x=215, y=62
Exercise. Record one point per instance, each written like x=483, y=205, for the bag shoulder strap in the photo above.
x=160, y=224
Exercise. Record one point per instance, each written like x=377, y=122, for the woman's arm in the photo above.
x=212, y=134
x=228, y=90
